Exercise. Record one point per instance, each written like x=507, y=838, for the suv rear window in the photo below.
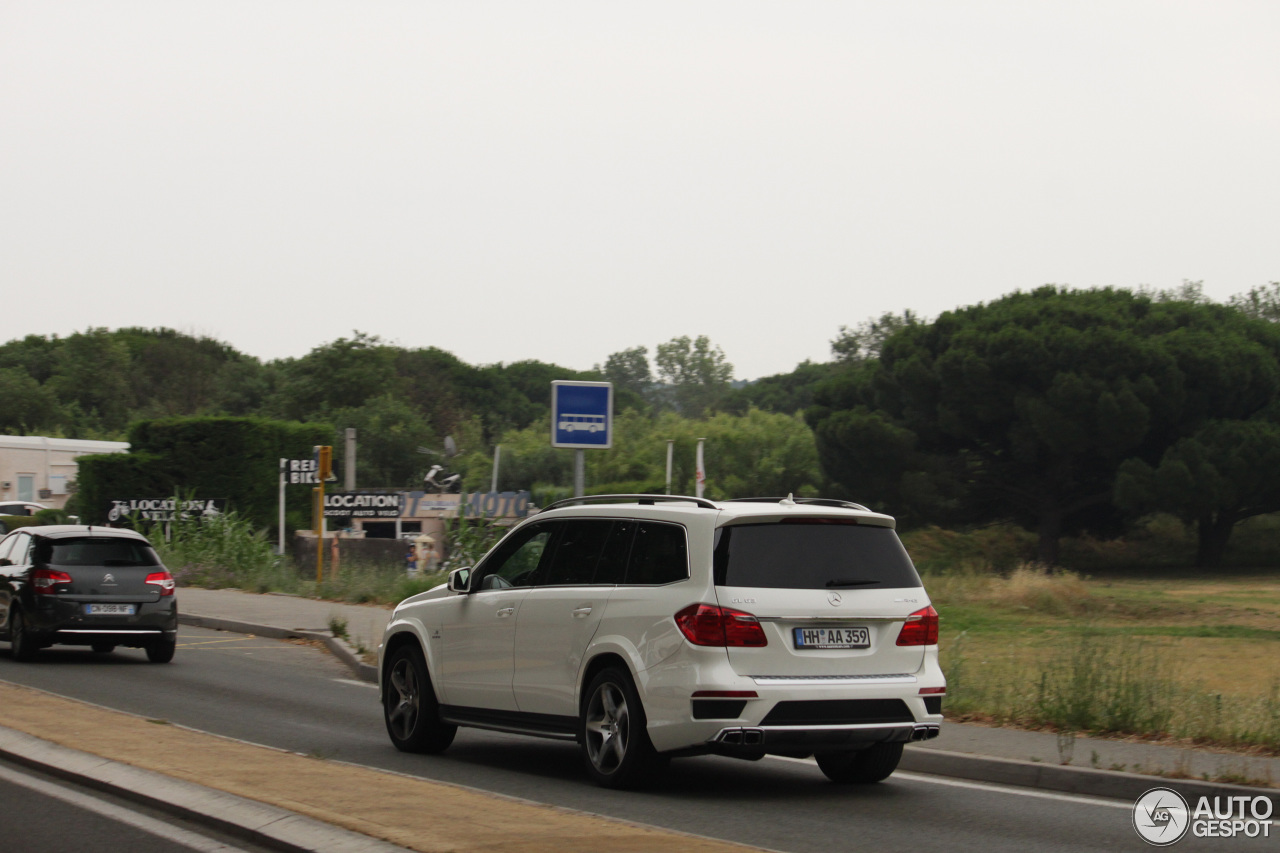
x=101, y=552
x=817, y=554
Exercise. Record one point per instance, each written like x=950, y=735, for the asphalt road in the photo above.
x=299, y=698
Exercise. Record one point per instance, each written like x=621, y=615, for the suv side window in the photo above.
x=612, y=568
x=659, y=554
x=516, y=564
x=6, y=545
x=577, y=553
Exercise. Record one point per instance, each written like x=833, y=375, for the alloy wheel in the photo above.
x=608, y=728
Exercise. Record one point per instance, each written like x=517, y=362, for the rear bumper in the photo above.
x=696, y=703
x=61, y=622
x=758, y=741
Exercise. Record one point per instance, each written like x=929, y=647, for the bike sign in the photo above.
x=581, y=414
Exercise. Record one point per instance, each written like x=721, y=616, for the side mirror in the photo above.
x=460, y=580
x=5, y=561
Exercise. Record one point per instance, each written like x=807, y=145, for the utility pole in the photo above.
x=671, y=447
x=349, y=460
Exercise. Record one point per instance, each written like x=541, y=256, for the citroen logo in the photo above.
x=108, y=578
x=834, y=599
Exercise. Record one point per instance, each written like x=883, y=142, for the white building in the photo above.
x=37, y=468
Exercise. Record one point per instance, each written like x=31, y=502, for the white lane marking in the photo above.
x=356, y=683
x=991, y=786
x=120, y=814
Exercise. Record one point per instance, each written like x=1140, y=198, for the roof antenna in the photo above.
x=788, y=500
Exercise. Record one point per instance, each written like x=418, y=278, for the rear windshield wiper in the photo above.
x=851, y=582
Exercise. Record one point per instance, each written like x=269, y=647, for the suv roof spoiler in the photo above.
x=810, y=501
x=642, y=499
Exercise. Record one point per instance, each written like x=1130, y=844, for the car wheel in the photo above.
x=615, y=742
x=409, y=705
x=869, y=765
x=161, y=651
x=22, y=645
x=104, y=648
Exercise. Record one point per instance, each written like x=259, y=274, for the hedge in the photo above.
x=232, y=458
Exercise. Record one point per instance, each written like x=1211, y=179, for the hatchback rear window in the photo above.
x=812, y=555
x=102, y=552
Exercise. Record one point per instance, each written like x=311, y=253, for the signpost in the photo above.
x=581, y=418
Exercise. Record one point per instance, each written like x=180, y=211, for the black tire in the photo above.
x=161, y=651
x=613, y=735
x=873, y=764
x=104, y=648
x=409, y=705
x=22, y=645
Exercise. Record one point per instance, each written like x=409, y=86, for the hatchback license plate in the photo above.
x=109, y=609
x=832, y=638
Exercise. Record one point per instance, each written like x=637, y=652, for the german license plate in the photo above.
x=832, y=638
x=110, y=609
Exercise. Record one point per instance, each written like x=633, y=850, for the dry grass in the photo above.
x=1029, y=586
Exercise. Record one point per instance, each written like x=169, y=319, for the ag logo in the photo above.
x=1161, y=816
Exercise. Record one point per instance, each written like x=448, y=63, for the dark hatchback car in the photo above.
x=85, y=586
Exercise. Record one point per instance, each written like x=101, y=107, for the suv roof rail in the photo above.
x=810, y=501
x=643, y=499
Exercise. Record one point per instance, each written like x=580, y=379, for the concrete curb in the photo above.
x=337, y=647
x=1057, y=777
x=938, y=762
x=255, y=822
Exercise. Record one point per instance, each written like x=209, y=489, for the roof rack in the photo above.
x=643, y=499
x=809, y=501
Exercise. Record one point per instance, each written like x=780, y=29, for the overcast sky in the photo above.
x=560, y=180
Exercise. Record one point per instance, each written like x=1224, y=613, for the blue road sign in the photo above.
x=581, y=414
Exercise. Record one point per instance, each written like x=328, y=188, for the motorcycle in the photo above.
x=440, y=481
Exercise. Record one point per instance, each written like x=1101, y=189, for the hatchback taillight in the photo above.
x=164, y=580
x=46, y=581
x=921, y=629
x=709, y=625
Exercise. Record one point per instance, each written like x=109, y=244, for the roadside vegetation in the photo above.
x=1187, y=656
x=227, y=553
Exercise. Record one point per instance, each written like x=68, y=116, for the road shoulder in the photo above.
x=417, y=814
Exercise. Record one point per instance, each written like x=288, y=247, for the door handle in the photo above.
x=505, y=612
x=579, y=612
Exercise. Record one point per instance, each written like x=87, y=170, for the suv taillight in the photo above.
x=709, y=625
x=164, y=580
x=921, y=629
x=45, y=581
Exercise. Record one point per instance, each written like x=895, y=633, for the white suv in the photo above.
x=645, y=627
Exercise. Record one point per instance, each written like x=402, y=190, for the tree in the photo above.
x=91, y=373
x=338, y=375
x=698, y=373
x=1262, y=302
x=26, y=407
x=785, y=393
x=864, y=341
x=1026, y=407
x=389, y=431
x=1227, y=472
x=629, y=370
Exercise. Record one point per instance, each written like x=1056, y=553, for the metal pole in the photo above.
x=671, y=446
x=280, y=538
x=319, y=490
x=699, y=472
x=497, y=455
x=349, y=463
x=579, y=473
